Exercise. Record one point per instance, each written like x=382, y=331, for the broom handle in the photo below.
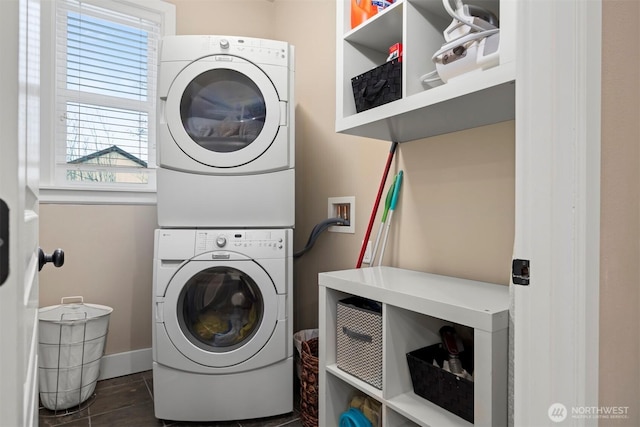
x=363, y=249
x=392, y=208
x=385, y=212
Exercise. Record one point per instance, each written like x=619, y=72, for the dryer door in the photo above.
x=223, y=111
x=220, y=313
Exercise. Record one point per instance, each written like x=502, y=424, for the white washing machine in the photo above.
x=226, y=132
x=222, y=334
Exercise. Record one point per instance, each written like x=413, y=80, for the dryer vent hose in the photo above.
x=317, y=230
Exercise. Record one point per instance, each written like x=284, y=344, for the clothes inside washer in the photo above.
x=210, y=324
x=226, y=310
x=242, y=321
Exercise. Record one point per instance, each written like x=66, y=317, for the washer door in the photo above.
x=220, y=313
x=223, y=111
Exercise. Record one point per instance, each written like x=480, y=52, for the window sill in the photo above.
x=54, y=195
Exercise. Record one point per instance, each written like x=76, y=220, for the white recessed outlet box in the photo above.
x=345, y=208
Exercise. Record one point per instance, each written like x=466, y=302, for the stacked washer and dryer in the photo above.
x=223, y=260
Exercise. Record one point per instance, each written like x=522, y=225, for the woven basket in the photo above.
x=309, y=383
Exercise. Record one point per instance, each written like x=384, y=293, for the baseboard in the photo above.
x=129, y=362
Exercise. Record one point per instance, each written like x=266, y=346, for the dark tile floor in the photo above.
x=128, y=402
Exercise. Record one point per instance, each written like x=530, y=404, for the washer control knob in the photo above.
x=224, y=43
x=221, y=241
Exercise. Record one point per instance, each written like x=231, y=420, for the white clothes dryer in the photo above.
x=223, y=325
x=226, y=132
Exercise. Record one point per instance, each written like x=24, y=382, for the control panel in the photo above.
x=259, y=50
x=253, y=243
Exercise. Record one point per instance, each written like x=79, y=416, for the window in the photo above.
x=103, y=101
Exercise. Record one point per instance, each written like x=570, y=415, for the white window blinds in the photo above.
x=106, y=61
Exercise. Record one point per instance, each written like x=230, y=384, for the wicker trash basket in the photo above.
x=309, y=383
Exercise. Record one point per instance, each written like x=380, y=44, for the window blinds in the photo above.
x=106, y=63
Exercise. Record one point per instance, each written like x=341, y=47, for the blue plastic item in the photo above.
x=354, y=418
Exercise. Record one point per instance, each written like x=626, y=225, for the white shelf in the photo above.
x=414, y=307
x=422, y=111
x=355, y=382
x=479, y=305
x=422, y=411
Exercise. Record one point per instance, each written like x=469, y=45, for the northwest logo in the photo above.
x=557, y=412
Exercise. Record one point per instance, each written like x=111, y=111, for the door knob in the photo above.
x=57, y=258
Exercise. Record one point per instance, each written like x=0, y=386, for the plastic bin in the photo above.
x=71, y=345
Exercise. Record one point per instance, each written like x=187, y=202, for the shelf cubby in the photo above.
x=423, y=110
x=415, y=306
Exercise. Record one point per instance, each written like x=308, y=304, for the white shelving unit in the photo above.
x=422, y=111
x=414, y=307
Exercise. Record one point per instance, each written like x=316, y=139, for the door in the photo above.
x=220, y=313
x=19, y=163
x=555, y=316
x=223, y=111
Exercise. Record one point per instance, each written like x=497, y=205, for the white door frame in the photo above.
x=556, y=317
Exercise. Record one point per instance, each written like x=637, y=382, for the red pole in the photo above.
x=363, y=249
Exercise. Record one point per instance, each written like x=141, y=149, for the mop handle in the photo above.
x=363, y=249
x=384, y=240
x=396, y=191
x=394, y=202
x=387, y=203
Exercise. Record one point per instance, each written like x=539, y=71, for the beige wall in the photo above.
x=455, y=214
x=108, y=260
x=620, y=214
x=249, y=18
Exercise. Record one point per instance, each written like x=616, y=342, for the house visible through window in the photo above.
x=105, y=98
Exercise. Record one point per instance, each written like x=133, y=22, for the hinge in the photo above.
x=520, y=272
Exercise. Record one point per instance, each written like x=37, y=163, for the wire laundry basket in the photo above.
x=71, y=346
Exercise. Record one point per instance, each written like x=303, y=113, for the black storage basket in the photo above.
x=449, y=391
x=378, y=86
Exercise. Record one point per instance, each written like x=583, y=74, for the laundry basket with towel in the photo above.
x=71, y=345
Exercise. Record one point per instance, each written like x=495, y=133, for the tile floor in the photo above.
x=128, y=402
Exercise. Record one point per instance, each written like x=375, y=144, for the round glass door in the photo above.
x=222, y=110
x=220, y=313
x=220, y=308
x=223, y=113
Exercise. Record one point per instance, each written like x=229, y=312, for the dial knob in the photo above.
x=221, y=241
x=224, y=43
